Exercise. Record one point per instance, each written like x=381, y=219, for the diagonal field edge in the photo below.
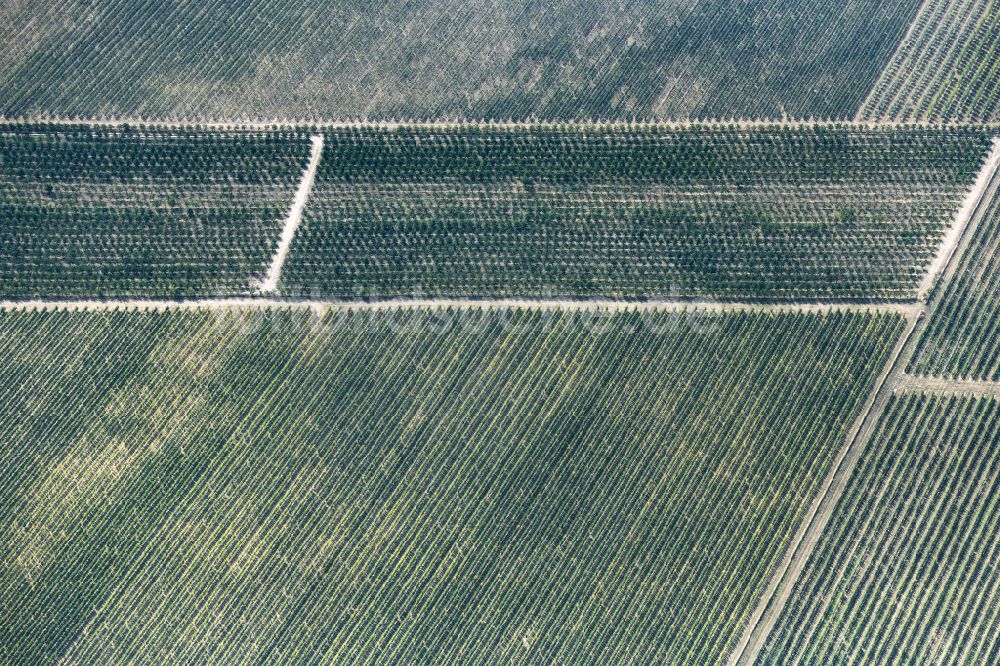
x=955, y=233
x=270, y=284
x=859, y=117
x=774, y=597
x=773, y=601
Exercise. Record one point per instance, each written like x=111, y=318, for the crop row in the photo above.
x=962, y=339
x=631, y=212
x=906, y=570
x=139, y=212
x=565, y=59
x=525, y=489
x=947, y=69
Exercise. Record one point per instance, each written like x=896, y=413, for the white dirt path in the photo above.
x=270, y=284
x=962, y=218
x=393, y=125
x=971, y=387
x=780, y=588
x=595, y=305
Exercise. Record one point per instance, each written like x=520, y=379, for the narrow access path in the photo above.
x=595, y=305
x=780, y=588
x=818, y=515
x=270, y=284
x=498, y=124
x=915, y=384
x=962, y=218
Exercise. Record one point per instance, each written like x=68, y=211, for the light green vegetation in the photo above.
x=947, y=69
x=905, y=572
x=264, y=486
x=768, y=213
x=149, y=213
x=962, y=339
x=343, y=59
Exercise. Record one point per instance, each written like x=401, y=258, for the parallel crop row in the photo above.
x=906, y=572
x=141, y=212
x=329, y=59
x=631, y=212
x=962, y=339
x=520, y=487
x=947, y=69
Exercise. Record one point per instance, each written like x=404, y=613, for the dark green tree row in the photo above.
x=769, y=213
x=141, y=212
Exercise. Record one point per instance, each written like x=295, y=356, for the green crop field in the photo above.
x=274, y=59
x=963, y=337
x=559, y=333
x=631, y=212
x=237, y=486
x=906, y=571
x=149, y=213
x=947, y=69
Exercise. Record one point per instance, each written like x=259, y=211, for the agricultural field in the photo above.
x=409, y=486
x=948, y=67
x=906, y=570
x=766, y=213
x=566, y=59
x=962, y=339
x=154, y=213
x=438, y=332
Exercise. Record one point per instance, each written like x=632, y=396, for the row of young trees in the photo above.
x=644, y=212
x=656, y=153
x=119, y=212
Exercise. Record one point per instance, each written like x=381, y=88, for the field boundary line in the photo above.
x=773, y=602
x=595, y=305
x=393, y=125
x=917, y=383
x=294, y=219
x=955, y=233
x=860, y=115
x=811, y=529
